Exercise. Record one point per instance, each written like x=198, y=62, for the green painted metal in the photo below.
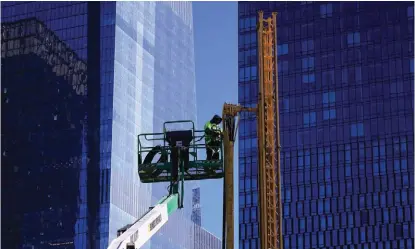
x=198, y=165
x=198, y=170
x=160, y=172
x=172, y=203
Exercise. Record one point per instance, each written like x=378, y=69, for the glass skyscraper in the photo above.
x=346, y=83
x=80, y=81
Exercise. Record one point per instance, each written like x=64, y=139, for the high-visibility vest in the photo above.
x=212, y=127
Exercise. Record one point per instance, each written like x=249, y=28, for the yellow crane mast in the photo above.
x=270, y=228
x=267, y=110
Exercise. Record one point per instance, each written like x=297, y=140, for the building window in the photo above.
x=351, y=220
x=308, y=64
x=320, y=206
x=375, y=169
x=411, y=12
x=326, y=10
x=242, y=230
x=307, y=46
x=362, y=234
x=250, y=38
x=307, y=160
x=309, y=119
x=254, y=72
x=397, y=198
x=411, y=65
x=241, y=74
x=242, y=200
x=255, y=234
x=328, y=190
x=375, y=200
x=404, y=165
x=396, y=166
x=287, y=242
x=348, y=203
x=353, y=38
x=282, y=49
x=246, y=243
x=362, y=201
x=327, y=156
x=382, y=168
x=344, y=76
x=327, y=174
x=329, y=98
x=332, y=114
x=322, y=191
x=348, y=153
x=405, y=181
x=357, y=130
x=329, y=222
x=348, y=170
x=302, y=225
x=358, y=75
x=300, y=159
x=383, y=199
x=241, y=184
x=286, y=210
x=309, y=78
x=286, y=104
x=349, y=235
x=328, y=77
x=248, y=73
x=300, y=209
x=403, y=144
x=288, y=195
x=283, y=66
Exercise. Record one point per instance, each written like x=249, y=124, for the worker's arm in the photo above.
x=209, y=132
x=208, y=129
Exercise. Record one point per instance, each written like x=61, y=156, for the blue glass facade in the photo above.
x=90, y=77
x=346, y=108
x=45, y=126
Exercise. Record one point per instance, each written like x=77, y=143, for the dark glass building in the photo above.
x=80, y=81
x=346, y=83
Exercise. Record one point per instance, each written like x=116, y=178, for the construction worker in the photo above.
x=213, y=135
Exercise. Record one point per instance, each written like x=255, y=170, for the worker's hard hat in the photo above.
x=216, y=118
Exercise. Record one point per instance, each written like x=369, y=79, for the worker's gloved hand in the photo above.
x=218, y=134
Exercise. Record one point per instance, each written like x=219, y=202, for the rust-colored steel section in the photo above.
x=269, y=201
x=229, y=112
x=228, y=229
x=233, y=110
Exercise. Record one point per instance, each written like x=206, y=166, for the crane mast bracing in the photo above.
x=270, y=228
x=267, y=111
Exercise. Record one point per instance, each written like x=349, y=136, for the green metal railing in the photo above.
x=197, y=168
x=195, y=145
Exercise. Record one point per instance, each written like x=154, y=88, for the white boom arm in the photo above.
x=144, y=228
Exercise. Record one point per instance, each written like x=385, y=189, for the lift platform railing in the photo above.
x=150, y=144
